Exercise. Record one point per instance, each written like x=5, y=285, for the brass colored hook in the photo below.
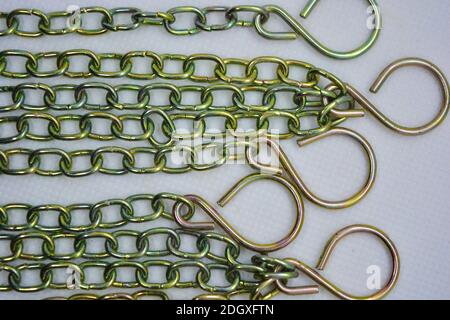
x=328, y=250
x=218, y=219
x=287, y=169
x=367, y=105
x=299, y=30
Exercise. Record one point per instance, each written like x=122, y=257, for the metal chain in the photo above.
x=142, y=239
x=117, y=124
x=228, y=264
x=141, y=269
x=308, y=98
x=46, y=274
x=137, y=17
x=187, y=67
x=157, y=206
x=265, y=272
x=116, y=296
x=52, y=237
x=159, y=159
x=329, y=103
x=301, y=97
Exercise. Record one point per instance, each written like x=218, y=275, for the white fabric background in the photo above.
x=410, y=198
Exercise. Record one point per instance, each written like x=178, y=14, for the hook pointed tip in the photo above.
x=321, y=264
x=319, y=267
x=304, y=141
x=222, y=202
x=375, y=87
x=308, y=8
x=304, y=14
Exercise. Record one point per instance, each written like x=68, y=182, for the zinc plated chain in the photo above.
x=157, y=62
x=262, y=278
x=65, y=160
x=80, y=96
x=50, y=236
x=143, y=294
x=142, y=239
x=234, y=16
x=142, y=269
x=305, y=103
x=270, y=276
x=157, y=205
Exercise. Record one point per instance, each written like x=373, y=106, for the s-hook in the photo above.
x=287, y=169
x=299, y=30
x=328, y=250
x=228, y=228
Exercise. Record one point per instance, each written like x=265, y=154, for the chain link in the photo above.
x=233, y=274
x=47, y=271
x=265, y=272
x=319, y=95
x=157, y=205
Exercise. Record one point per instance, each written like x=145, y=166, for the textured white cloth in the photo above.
x=410, y=198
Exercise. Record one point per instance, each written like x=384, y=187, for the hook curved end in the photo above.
x=381, y=79
x=371, y=172
x=322, y=281
x=361, y=228
x=358, y=228
x=193, y=225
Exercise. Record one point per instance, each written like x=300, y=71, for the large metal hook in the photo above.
x=230, y=230
x=384, y=75
x=328, y=250
x=287, y=169
x=299, y=30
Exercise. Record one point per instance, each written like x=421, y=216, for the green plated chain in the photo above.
x=51, y=259
x=157, y=62
x=309, y=99
x=227, y=262
x=51, y=237
x=266, y=272
x=50, y=243
x=157, y=204
x=156, y=160
x=143, y=294
x=234, y=16
x=306, y=103
x=301, y=97
x=232, y=272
